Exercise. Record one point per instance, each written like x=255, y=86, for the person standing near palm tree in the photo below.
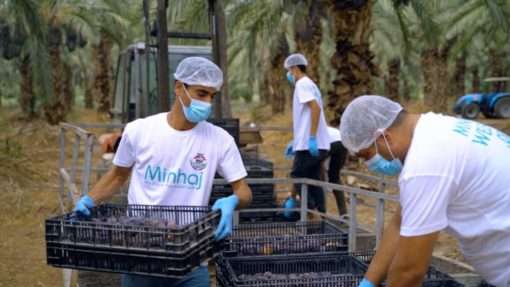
x=311, y=139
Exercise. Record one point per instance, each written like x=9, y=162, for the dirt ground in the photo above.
x=28, y=193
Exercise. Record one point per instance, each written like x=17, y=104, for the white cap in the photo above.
x=199, y=71
x=295, y=60
x=364, y=119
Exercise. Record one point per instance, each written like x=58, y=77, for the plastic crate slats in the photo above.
x=157, y=240
x=285, y=238
x=340, y=269
x=433, y=277
x=192, y=224
x=322, y=270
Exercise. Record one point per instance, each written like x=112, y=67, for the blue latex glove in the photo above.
x=366, y=283
x=289, y=203
x=289, y=152
x=227, y=205
x=84, y=204
x=312, y=147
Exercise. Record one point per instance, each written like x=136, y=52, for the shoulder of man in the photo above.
x=137, y=126
x=216, y=130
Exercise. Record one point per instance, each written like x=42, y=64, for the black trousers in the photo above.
x=307, y=166
x=338, y=155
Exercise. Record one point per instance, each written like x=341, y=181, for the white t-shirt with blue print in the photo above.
x=172, y=167
x=456, y=177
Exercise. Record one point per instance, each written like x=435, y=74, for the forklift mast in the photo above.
x=217, y=34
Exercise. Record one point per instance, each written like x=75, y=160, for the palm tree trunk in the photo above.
x=429, y=70
x=459, y=77
x=90, y=83
x=308, y=38
x=68, y=89
x=55, y=109
x=278, y=86
x=476, y=80
x=406, y=89
x=497, y=60
x=434, y=62
x=27, y=99
x=102, y=81
x=392, y=82
x=352, y=60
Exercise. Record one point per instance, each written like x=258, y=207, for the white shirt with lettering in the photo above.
x=456, y=177
x=171, y=167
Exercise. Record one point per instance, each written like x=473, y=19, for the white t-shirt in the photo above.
x=304, y=92
x=172, y=167
x=334, y=135
x=456, y=177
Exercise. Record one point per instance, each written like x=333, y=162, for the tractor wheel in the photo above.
x=470, y=111
x=502, y=108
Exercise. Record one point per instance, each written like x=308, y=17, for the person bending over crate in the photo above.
x=172, y=159
x=453, y=176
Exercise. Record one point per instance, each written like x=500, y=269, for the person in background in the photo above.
x=334, y=163
x=172, y=158
x=311, y=142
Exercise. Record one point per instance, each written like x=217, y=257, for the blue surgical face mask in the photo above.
x=381, y=165
x=197, y=111
x=291, y=78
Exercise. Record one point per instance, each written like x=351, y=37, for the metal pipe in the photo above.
x=304, y=202
x=353, y=223
x=189, y=35
x=379, y=220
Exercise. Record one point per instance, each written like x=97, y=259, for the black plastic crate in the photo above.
x=230, y=125
x=170, y=229
x=259, y=171
x=168, y=240
x=285, y=238
x=137, y=262
x=262, y=194
x=254, y=159
x=433, y=278
x=336, y=269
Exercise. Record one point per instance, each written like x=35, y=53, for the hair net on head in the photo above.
x=199, y=71
x=364, y=119
x=295, y=60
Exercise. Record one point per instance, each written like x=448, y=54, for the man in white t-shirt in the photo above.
x=310, y=132
x=172, y=159
x=453, y=177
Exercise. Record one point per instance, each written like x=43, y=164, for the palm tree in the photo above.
x=116, y=28
x=24, y=39
x=261, y=24
x=353, y=59
x=308, y=33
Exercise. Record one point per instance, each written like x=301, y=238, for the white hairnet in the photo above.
x=199, y=71
x=295, y=60
x=364, y=119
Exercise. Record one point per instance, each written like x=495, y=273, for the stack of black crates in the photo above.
x=262, y=194
x=302, y=254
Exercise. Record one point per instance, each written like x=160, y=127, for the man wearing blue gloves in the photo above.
x=310, y=131
x=172, y=159
x=453, y=177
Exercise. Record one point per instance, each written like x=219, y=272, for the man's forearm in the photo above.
x=385, y=252
x=109, y=184
x=243, y=192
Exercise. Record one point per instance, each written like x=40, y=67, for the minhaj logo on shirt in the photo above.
x=198, y=162
x=179, y=178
